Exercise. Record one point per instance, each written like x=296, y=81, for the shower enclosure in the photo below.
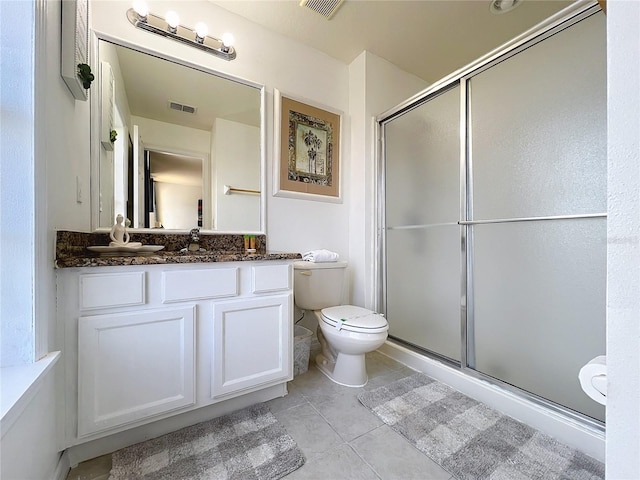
x=493, y=188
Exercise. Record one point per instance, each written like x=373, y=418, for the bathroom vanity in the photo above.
x=172, y=335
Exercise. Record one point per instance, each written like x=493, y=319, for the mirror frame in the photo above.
x=94, y=141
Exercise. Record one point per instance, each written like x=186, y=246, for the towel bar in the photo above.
x=228, y=190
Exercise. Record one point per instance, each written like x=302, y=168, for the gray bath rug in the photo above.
x=246, y=445
x=471, y=440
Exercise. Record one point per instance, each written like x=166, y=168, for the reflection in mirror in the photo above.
x=173, y=139
x=175, y=188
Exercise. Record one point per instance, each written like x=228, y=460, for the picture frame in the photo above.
x=307, y=139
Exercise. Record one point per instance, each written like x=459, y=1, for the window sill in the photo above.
x=19, y=386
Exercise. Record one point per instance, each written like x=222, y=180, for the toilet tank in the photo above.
x=318, y=285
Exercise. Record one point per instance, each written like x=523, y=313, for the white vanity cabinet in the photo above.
x=148, y=342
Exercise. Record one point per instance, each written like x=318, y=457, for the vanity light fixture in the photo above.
x=173, y=21
x=201, y=32
x=169, y=26
x=227, y=42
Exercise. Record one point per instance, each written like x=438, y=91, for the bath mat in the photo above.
x=249, y=444
x=470, y=440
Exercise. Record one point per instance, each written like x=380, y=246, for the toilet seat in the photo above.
x=354, y=319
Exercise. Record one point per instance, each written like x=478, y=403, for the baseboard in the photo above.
x=563, y=429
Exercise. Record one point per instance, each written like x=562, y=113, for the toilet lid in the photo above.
x=354, y=319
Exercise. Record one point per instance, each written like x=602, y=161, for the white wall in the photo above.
x=109, y=54
x=171, y=137
x=623, y=234
x=236, y=154
x=64, y=134
x=107, y=184
x=67, y=140
x=177, y=205
x=375, y=85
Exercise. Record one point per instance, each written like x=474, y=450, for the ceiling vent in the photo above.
x=182, y=108
x=326, y=8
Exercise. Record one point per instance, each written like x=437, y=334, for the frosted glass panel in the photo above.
x=539, y=305
x=539, y=128
x=423, y=188
x=423, y=163
x=423, y=288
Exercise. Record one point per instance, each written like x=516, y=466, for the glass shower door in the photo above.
x=537, y=226
x=422, y=235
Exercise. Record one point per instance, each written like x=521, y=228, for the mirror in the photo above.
x=179, y=146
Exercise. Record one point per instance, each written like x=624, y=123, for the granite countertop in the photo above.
x=161, y=257
x=71, y=250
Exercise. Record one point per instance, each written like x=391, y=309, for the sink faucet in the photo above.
x=194, y=240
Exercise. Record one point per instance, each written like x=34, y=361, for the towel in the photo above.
x=320, y=256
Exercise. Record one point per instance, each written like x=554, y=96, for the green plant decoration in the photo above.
x=113, y=135
x=84, y=73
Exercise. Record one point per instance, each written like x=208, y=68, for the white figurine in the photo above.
x=119, y=234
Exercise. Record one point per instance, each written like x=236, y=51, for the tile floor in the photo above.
x=340, y=438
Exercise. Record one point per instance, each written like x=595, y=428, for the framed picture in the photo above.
x=307, y=144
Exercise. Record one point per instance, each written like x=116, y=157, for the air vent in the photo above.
x=182, y=108
x=326, y=8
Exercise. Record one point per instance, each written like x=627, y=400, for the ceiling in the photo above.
x=177, y=169
x=428, y=38
x=211, y=96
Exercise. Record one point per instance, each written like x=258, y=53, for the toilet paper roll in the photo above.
x=593, y=379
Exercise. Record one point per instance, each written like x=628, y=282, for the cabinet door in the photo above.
x=252, y=344
x=134, y=365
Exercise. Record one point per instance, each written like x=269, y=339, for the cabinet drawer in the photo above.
x=199, y=284
x=112, y=290
x=270, y=278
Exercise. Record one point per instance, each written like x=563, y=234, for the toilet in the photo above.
x=345, y=332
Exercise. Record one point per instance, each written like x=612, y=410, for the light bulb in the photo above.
x=227, y=41
x=172, y=19
x=201, y=30
x=141, y=8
